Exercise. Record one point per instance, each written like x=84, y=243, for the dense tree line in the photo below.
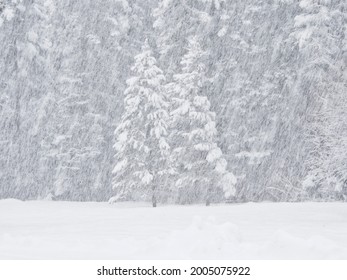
x=270, y=75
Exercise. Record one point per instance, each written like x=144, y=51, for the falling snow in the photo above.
x=109, y=107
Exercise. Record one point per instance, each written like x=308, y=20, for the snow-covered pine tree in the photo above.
x=88, y=87
x=198, y=161
x=142, y=150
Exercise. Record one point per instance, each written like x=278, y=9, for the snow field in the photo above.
x=72, y=230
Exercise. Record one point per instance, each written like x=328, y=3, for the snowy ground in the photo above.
x=70, y=230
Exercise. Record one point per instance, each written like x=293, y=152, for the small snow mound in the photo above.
x=204, y=238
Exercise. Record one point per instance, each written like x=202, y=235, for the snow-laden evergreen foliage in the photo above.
x=198, y=160
x=142, y=147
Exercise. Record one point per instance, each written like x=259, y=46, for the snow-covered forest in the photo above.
x=173, y=101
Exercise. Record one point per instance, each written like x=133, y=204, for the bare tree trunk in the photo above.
x=208, y=196
x=154, y=198
x=154, y=201
x=208, y=202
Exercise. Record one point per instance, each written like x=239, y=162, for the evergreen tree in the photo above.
x=92, y=52
x=198, y=160
x=141, y=148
